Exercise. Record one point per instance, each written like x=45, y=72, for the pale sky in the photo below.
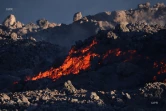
x=62, y=11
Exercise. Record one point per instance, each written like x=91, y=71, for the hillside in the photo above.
x=110, y=61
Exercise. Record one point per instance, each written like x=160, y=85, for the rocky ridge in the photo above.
x=25, y=57
x=113, y=85
x=150, y=97
x=85, y=26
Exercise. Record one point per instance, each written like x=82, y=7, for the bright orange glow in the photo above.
x=74, y=64
x=117, y=52
x=71, y=65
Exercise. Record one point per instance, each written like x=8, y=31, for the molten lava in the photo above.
x=71, y=65
x=118, y=52
x=80, y=60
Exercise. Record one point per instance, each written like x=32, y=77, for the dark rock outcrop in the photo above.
x=43, y=23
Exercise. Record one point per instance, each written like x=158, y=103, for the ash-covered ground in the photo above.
x=111, y=61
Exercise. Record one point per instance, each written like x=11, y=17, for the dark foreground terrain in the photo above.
x=151, y=97
x=117, y=66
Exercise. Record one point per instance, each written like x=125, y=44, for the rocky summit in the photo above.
x=110, y=61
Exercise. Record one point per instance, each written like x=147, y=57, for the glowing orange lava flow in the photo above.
x=117, y=52
x=71, y=65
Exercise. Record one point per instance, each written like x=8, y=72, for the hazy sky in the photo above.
x=62, y=11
